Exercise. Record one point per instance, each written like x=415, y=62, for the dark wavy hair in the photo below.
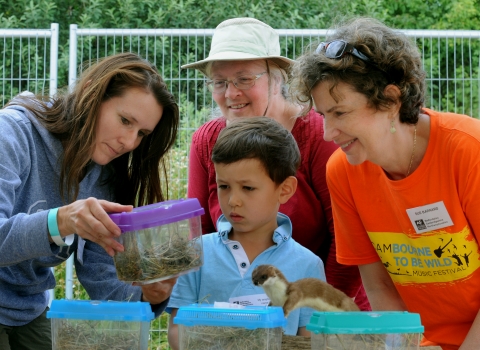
x=393, y=59
x=72, y=118
x=259, y=138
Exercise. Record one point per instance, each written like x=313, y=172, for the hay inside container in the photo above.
x=161, y=241
x=379, y=330
x=202, y=326
x=95, y=325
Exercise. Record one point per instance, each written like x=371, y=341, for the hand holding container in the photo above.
x=161, y=241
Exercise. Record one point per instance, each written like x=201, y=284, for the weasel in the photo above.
x=305, y=292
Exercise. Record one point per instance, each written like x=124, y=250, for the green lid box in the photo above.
x=379, y=330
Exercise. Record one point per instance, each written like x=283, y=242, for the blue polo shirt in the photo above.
x=227, y=273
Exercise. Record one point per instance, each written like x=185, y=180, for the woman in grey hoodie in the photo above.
x=64, y=163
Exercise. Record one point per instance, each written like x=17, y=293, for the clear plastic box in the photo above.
x=100, y=325
x=161, y=241
x=203, y=326
x=378, y=330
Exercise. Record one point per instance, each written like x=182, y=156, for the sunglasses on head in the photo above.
x=338, y=49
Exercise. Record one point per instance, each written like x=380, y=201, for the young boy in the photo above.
x=255, y=162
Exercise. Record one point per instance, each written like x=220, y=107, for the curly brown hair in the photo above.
x=393, y=59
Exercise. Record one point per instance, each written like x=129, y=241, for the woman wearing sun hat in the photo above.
x=247, y=77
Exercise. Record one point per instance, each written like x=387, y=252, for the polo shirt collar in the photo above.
x=281, y=234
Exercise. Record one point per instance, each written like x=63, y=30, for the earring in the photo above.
x=392, y=127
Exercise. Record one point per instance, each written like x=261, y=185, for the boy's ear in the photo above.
x=287, y=189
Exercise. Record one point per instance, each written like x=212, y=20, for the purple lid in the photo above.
x=157, y=214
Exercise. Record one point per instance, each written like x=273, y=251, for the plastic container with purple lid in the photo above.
x=161, y=241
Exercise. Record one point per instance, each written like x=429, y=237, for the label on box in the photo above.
x=224, y=305
x=251, y=300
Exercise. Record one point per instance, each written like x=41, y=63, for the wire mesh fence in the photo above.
x=29, y=61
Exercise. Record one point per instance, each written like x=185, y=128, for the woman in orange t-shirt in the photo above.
x=404, y=182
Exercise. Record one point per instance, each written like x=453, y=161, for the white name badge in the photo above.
x=251, y=300
x=429, y=217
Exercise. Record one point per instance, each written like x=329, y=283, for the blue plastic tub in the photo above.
x=85, y=324
x=203, y=326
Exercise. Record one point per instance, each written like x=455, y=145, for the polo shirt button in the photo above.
x=285, y=238
x=235, y=246
x=243, y=264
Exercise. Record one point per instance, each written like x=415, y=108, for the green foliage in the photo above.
x=433, y=14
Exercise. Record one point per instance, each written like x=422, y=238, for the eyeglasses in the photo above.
x=338, y=49
x=243, y=82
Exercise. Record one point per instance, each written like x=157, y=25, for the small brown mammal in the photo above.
x=305, y=292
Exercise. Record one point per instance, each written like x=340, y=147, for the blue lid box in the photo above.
x=161, y=241
x=86, y=324
x=203, y=326
x=378, y=330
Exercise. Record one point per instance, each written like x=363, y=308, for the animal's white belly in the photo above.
x=277, y=297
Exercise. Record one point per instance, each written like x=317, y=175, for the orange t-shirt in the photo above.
x=425, y=228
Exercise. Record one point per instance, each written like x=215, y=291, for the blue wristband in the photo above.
x=53, y=228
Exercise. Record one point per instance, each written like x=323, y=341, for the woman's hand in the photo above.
x=88, y=218
x=155, y=293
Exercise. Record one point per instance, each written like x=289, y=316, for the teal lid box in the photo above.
x=377, y=330
x=87, y=324
x=365, y=322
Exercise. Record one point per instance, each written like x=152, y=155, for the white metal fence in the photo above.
x=29, y=61
x=451, y=60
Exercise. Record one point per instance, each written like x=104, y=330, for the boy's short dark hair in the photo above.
x=259, y=138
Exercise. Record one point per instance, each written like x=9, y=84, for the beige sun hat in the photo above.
x=243, y=38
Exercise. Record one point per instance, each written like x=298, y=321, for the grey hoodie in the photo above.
x=29, y=187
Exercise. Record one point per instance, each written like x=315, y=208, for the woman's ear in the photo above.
x=393, y=92
x=287, y=189
x=276, y=83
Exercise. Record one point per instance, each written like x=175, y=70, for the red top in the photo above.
x=309, y=208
